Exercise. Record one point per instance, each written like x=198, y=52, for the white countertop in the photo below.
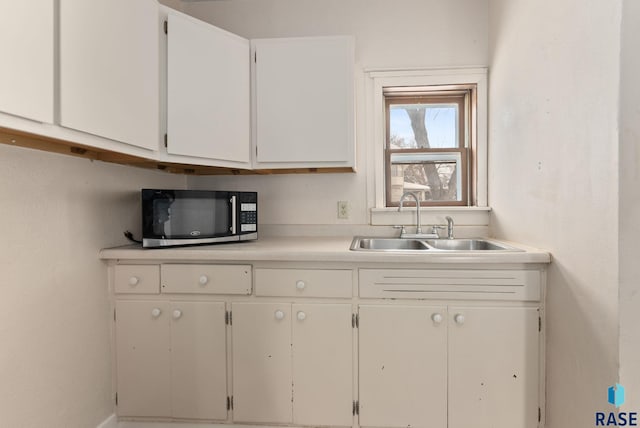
x=319, y=249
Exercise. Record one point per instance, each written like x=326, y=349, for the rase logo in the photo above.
x=615, y=397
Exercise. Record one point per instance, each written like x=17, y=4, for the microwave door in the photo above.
x=191, y=217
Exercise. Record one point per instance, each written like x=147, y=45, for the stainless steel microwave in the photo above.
x=191, y=217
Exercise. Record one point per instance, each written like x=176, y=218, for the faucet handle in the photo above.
x=435, y=228
x=402, y=230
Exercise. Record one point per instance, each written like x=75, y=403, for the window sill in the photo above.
x=463, y=216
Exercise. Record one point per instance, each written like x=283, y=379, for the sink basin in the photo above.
x=388, y=244
x=397, y=244
x=468, y=245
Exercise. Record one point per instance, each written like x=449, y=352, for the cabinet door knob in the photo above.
x=279, y=314
x=437, y=318
x=459, y=319
x=134, y=280
x=203, y=280
x=155, y=312
x=177, y=314
x=300, y=285
x=301, y=316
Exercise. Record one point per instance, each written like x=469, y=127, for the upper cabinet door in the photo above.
x=208, y=91
x=304, y=102
x=27, y=46
x=109, y=69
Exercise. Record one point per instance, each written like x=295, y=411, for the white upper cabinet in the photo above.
x=208, y=91
x=105, y=75
x=27, y=46
x=109, y=69
x=304, y=102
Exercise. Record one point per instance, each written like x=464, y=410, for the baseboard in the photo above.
x=110, y=422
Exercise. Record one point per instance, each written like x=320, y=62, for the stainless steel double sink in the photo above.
x=361, y=243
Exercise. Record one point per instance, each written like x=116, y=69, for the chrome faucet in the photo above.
x=449, y=227
x=404, y=195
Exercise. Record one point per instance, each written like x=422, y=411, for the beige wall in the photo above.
x=56, y=213
x=554, y=183
x=630, y=205
x=399, y=33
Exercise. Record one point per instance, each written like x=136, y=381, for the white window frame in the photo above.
x=376, y=80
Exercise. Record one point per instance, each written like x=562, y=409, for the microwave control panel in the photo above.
x=248, y=212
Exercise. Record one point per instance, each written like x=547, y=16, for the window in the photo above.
x=427, y=141
x=454, y=105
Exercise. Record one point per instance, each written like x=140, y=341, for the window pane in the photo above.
x=434, y=176
x=423, y=126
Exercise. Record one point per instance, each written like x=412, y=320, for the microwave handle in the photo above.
x=234, y=215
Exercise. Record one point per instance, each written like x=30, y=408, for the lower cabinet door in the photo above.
x=262, y=374
x=171, y=359
x=322, y=364
x=143, y=358
x=198, y=360
x=403, y=366
x=493, y=369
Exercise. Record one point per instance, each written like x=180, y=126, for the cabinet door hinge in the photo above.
x=114, y=315
x=356, y=408
x=228, y=403
x=255, y=56
x=116, y=399
x=228, y=318
x=539, y=323
x=539, y=414
x=166, y=140
x=355, y=320
x=166, y=27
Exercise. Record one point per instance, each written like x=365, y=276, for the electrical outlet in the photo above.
x=343, y=210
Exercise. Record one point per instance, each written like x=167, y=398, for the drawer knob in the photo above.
x=300, y=285
x=301, y=316
x=155, y=312
x=436, y=318
x=279, y=314
x=134, y=280
x=459, y=319
x=177, y=314
x=203, y=280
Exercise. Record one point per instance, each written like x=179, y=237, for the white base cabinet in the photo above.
x=143, y=358
x=322, y=344
x=493, y=367
x=292, y=363
x=262, y=375
x=171, y=359
x=454, y=367
x=322, y=364
x=403, y=366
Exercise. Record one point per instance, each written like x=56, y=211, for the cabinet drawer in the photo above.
x=304, y=282
x=138, y=279
x=450, y=284
x=206, y=279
